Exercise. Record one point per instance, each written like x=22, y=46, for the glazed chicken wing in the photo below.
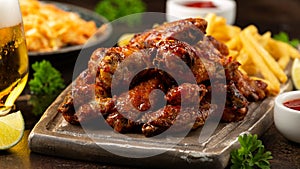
x=164, y=79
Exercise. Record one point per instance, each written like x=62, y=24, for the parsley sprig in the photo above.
x=46, y=84
x=46, y=79
x=114, y=9
x=251, y=154
x=284, y=37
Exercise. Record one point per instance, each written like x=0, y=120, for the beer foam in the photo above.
x=10, y=13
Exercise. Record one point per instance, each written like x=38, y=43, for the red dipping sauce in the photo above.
x=293, y=104
x=202, y=4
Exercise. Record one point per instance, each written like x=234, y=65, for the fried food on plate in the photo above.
x=156, y=52
x=261, y=56
x=48, y=27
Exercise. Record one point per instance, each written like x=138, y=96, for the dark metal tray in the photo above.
x=54, y=136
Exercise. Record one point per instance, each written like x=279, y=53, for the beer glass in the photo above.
x=13, y=55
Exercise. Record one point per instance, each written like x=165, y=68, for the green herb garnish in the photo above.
x=251, y=154
x=46, y=84
x=114, y=9
x=46, y=79
x=284, y=37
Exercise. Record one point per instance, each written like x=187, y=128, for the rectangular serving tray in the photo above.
x=52, y=135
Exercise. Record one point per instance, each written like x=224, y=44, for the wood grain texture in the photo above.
x=54, y=136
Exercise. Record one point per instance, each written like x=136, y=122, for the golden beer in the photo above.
x=13, y=65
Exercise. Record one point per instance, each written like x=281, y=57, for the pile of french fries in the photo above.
x=48, y=28
x=261, y=56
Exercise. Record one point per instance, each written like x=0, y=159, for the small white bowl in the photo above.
x=287, y=120
x=176, y=9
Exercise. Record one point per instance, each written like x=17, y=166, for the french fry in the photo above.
x=274, y=48
x=260, y=56
x=48, y=27
x=277, y=50
x=210, y=18
x=233, y=31
x=251, y=29
x=267, y=58
x=283, y=61
x=274, y=87
x=243, y=57
x=251, y=69
x=294, y=53
x=247, y=63
x=219, y=21
x=281, y=48
x=221, y=37
x=125, y=38
x=233, y=53
x=264, y=39
x=242, y=70
x=234, y=43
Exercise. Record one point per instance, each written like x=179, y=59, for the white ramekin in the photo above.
x=287, y=120
x=175, y=10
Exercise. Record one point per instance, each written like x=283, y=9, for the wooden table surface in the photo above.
x=274, y=15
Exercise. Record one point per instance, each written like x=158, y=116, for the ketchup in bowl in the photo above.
x=293, y=104
x=202, y=4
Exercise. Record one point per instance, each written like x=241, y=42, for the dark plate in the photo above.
x=65, y=58
x=85, y=14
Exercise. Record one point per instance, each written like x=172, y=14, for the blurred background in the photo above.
x=267, y=15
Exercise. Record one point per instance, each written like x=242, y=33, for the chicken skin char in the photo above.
x=158, y=52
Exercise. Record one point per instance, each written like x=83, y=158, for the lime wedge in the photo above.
x=11, y=130
x=296, y=73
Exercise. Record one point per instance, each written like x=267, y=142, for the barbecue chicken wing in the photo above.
x=154, y=100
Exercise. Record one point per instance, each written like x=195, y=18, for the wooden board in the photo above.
x=54, y=136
